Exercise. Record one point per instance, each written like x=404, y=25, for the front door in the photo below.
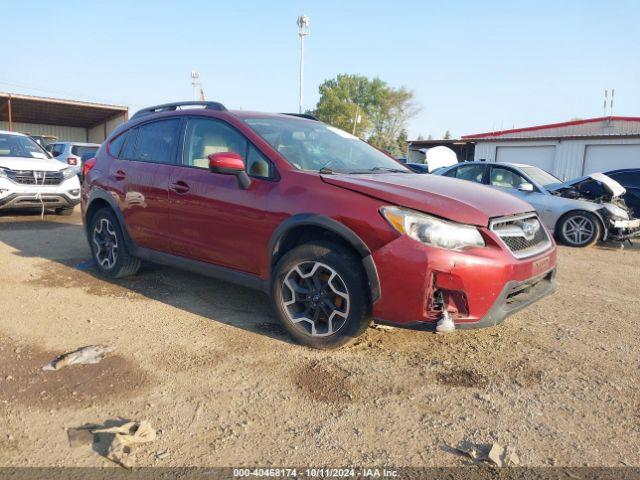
x=141, y=175
x=510, y=180
x=212, y=218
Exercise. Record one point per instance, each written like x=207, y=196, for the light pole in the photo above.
x=303, y=31
x=195, y=81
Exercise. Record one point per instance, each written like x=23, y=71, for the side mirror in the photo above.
x=229, y=163
x=525, y=187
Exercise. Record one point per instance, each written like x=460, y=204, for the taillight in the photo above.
x=87, y=166
x=72, y=161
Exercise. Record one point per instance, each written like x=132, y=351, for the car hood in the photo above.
x=613, y=188
x=450, y=198
x=23, y=163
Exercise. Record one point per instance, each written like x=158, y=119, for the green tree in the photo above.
x=368, y=108
x=447, y=135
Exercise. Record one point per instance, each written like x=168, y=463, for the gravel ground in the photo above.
x=206, y=363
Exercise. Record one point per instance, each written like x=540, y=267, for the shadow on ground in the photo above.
x=63, y=242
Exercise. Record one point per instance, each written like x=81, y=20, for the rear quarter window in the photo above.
x=115, y=146
x=83, y=150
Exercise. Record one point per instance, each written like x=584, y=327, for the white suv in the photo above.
x=29, y=178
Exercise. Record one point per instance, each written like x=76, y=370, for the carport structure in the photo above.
x=67, y=120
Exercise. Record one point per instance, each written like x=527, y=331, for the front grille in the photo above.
x=523, y=235
x=35, y=177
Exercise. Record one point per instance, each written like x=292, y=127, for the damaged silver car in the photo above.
x=580, y=212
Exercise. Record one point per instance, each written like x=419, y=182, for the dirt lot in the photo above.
x=206, y=364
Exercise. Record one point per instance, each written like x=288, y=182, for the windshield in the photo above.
x=20, y=146
x=314, y=146
x=540, y=176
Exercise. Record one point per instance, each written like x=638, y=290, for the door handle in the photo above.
x=179, y=187
x=120, y=175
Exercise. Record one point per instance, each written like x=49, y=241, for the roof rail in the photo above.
x=166, y=107
x=303, y=115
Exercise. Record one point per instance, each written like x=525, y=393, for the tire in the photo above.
x=64, y=212
x=579, y=229
x=105, y=233
x=329, y=279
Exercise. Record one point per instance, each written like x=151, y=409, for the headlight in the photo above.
x=3, y=173
x=616, y=212
x=68, y=173
x=433, y=231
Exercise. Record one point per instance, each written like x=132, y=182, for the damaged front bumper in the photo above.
x=624, y=229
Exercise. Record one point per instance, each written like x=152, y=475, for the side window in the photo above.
x=257, y=164
x=157, y=141
x=627, y=179
x=473, y=173
x=451, y=173
x=502, y=177
x=115, y=146
x=206, y=136
x=130, y=145
x=57, y=149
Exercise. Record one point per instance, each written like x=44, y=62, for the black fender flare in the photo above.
x=327, y=223
x=101, y=194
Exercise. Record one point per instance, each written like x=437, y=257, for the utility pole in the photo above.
x=303, y=31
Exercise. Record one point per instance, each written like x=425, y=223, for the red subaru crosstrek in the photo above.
x=337, y=232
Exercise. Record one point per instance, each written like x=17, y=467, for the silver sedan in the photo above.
x=579, y=212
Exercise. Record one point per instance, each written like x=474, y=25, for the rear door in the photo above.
x=212, y=218
x=474, y=172
x=142, y=174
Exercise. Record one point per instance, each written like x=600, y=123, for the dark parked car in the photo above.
x=629, y=178
x=334, y=230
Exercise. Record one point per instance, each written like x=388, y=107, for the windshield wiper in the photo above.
x=387, y=169
x=326, y=171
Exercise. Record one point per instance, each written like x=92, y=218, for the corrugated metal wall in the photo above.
x=74, y=134
x=95, y=134
x=569, y=156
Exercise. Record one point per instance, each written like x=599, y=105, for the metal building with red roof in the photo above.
x=567, y=149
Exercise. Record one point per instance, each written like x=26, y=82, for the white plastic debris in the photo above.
x=445, y=324
x=386, y=328
x=85, y=355
x=495, y=453
x=125, y=437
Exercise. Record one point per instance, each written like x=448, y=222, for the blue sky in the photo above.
x=474, y=66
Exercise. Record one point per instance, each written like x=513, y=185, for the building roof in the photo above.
x=591, y=127
x=55, y=111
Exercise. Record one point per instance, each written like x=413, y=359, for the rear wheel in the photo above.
x=579, y=229
x=107, y=245
x=320, y=295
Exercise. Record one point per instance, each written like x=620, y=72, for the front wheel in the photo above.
x=108, y=248
x=320, y=295
x=579, y=229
